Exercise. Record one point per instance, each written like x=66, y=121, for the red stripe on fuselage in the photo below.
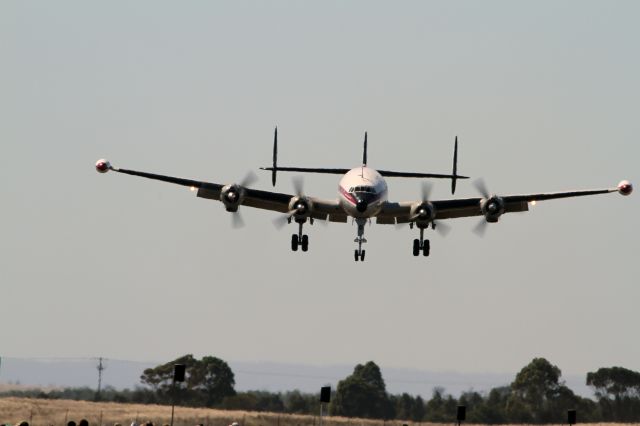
x=348, y=196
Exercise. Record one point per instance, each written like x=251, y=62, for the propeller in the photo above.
x=481, y=227
x=481, y=186
x=236, y=220
x=442, y=228
x=236, y=217
x=298, y=188
x=249, y=179
x=298, y=185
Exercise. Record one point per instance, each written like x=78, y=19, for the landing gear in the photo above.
x=421, y=245
x=359, y=253
x=300, y=240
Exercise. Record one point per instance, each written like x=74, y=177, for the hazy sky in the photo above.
x=543, y=96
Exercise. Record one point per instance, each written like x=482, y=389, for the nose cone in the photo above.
x=361, y=206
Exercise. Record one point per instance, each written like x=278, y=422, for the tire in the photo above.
x=416, y=247
x=362, y=255
x=305, y=243
x=294, y=242
x=356, y=255
x=427, y=248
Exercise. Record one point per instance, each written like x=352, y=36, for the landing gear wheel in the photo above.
x=305, y=243
x=426, y=248
x=294, y=242
x=416, y=247
x=362, y=255
x=356, y=255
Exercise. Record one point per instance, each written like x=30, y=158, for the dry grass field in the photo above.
x=45, y=412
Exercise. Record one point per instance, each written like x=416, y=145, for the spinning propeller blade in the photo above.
x=236, y=220
x=236, y=217
x=481, y=187
x=298, y=185
x=426, y=190
x=249, y=179
x=481, y=228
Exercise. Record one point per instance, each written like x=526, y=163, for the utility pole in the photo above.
x=101, y=368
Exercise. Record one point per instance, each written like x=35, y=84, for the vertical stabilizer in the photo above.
x=275, y=157
x=364, y=154
x=455, y=167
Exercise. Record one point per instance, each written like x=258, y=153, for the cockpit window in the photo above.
x=365, y=189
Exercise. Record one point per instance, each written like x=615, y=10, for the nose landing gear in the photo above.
x=359, y=253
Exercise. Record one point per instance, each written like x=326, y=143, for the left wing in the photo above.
x=490, y=206
x=234, y=195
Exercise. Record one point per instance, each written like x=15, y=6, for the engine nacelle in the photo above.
x=301, y=207
x=625, y=188
x=103, y=166
x=422, y=213
x=232, y=196
x=492, y=208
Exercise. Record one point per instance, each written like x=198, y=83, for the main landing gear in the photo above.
x=359, y=253
x=420, y=244
x=300, y=239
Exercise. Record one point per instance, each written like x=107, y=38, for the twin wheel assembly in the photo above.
x=296, y=241
x=300, y=240
x=421, y=245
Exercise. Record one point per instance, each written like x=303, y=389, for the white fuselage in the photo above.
x=362, y=192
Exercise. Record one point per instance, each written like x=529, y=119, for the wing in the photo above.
x=266, y=200
x=450, y=209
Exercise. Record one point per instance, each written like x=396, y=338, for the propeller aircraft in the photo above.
x=362, y=196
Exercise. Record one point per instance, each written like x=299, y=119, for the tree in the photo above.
x=297, y=402
x=615, y=383
x=363, y=394
x=160, y=378
x=404, y=406
x=494, y=408
x=440, y=408
x=207, y=381
x=418, y=411
x=538, y=395
x=212, y=379
x=618, y=392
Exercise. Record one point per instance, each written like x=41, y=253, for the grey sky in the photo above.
x=543, y=96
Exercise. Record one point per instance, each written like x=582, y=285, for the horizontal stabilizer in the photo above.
x=386, y=173
x=389, y=173
x=307, y=170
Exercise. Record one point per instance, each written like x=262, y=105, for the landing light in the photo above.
x=533, y=203
x=193, y=188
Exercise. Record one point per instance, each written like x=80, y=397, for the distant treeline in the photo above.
x=537, y=395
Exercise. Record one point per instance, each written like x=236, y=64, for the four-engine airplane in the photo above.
x=362, y=195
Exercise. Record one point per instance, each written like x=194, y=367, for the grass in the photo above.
x=45, y=412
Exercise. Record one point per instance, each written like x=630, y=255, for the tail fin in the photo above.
x=455, y=167
x=364, y=154
x=275, y=157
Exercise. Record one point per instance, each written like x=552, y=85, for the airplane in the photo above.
x=362, y=195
